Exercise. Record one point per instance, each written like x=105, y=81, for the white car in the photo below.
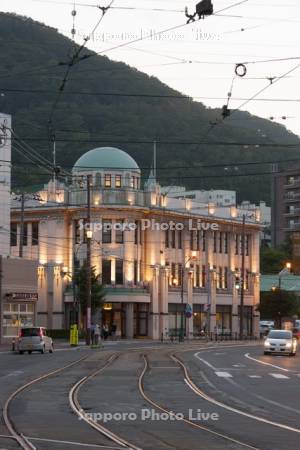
x=34, y=339
x=280, y=341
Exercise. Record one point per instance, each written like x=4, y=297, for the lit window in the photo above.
x=132, y=180
x=107, y=180
x=118, y=181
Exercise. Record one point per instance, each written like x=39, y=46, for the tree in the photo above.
x=278, y=304
x=272, y=260
x=98, y=294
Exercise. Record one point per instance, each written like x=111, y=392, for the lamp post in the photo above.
x=285, y=271
x=192, y=257
x=89, y=235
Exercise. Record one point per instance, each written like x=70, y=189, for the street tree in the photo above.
x=278, y=304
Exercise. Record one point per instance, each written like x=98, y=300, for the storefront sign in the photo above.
x=22, y=296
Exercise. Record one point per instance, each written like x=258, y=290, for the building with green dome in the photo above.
x=169, y=265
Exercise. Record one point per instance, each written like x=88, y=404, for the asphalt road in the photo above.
x=244, y=399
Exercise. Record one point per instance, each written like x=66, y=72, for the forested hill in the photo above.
x=30, y=76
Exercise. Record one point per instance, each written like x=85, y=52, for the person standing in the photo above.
x=97, y=334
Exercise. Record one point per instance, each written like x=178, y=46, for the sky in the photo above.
x=198, y=59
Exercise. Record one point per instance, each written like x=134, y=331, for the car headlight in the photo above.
x=288, y=345
x=267, y=344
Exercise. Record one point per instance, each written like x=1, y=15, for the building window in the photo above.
x=246, y=283
x=34, y=233
x=192, y=239
x=220, y=242
x=77, y=231
x=236, y=237
x=241, y=244
x=13, y=235
x=132, y=182
x=173, y=237
x=25, y=234
x=135, y=273
x=215, y=241
x=15, y=316
x=225, y=283
x=136, y=232
x=225, y=243
x=247, y=242
x=203, y=240
x=120, y=232
x=180, y=275
x=173, y=273
x=98, y=180
x=106, y=231
x=118, y=181
x=119, y=272
x=220, y=278
x=107, y=181
x=197, y=276
x=203, y=276
x=180, y=239
x=167, y=243
x=106, y=271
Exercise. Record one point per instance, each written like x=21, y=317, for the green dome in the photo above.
x=105, y=158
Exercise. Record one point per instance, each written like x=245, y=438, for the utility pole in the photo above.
x=181, y=336
x=22, y=225
x=1, y=310
x=242, y=279
x=88, y=264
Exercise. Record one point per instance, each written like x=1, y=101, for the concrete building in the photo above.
x=218, y=197
x=265, y=219
x=19, y=295
x=18, y=278
x=286, y=212
x=5, y=173
x=161, y=259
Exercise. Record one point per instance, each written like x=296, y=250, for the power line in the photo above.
x=166, y=142
x=159, y=96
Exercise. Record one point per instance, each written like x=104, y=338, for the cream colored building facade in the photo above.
x=163, y=261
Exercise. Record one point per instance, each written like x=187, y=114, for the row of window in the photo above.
x=220, y=242
x=118, y=276
x=112, y=232
x=116, y=181
x=173, y=239
x=239, y=244
x=15, y=231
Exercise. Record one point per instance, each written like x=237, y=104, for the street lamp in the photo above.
x=285, y=271
x=192, y=257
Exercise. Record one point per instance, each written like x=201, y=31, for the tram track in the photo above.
x=17, y=435
x=172, y=414
x=77, y=408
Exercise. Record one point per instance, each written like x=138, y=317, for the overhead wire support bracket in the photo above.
x=203, y=8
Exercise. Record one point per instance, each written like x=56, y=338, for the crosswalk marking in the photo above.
x=279, y=376
x=223, y=374
x=254, y=376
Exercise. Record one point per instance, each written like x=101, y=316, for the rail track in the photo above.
x=164, y=409
x=77, y=408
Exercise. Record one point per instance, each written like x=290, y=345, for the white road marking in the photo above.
x=239, y=365
x=279, y=376
x=80, y=444
x=254, y=376
x=247, y=355
x=205, y=362
x=223, y=374
x=206, y=397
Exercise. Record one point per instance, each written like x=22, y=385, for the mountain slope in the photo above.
x=32, y=57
